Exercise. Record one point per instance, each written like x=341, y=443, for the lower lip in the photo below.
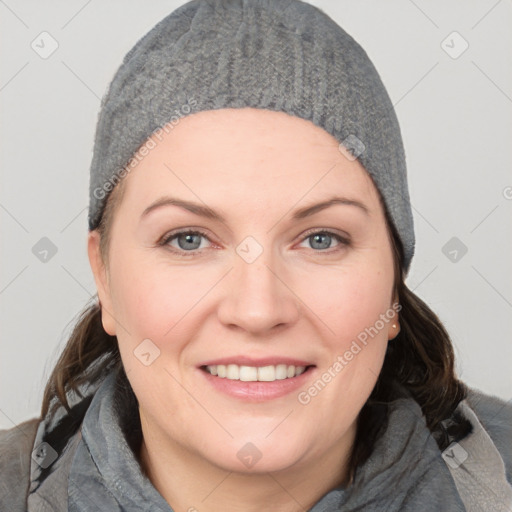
x=257, y=391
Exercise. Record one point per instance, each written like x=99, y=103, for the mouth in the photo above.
x=257, y=381
x=269, y=373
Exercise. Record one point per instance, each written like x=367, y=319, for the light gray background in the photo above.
x=456, y=121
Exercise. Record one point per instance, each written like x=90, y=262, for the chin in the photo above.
x=257, y=456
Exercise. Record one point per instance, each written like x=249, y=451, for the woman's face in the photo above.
x=267, y=285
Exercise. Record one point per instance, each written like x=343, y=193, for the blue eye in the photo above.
x=323, y=239
x=189, y=241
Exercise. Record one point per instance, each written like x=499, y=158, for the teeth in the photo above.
x=267, y=373
x=253, y=373
x=281, y=371
x=248, y=373
x=232, y=372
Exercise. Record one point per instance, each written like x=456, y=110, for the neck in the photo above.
x=189, y=482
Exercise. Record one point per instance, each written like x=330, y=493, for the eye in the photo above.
x=187, y=241
x=322, y=240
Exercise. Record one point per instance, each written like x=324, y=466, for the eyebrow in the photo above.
x=205, y=211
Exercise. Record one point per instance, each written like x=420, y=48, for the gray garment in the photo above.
x=97, y=470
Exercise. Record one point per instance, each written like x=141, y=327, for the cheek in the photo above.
x=156, y=301
x=356, y=309
x=348, y=301
x=150, y=301
x=154, y=304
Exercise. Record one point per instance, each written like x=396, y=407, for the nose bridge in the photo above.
x=256, y=298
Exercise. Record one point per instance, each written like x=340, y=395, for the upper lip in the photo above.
x=249, y=361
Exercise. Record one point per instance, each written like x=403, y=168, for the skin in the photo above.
x=297, y=299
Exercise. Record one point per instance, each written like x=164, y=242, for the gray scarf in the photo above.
x=98, y=470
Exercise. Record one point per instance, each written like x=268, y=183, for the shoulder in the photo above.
x=15, y=454
x=481, y=462
x=495, y=416
x=490, y=408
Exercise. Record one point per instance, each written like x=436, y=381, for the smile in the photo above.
x=255, y=373
x=257, y=380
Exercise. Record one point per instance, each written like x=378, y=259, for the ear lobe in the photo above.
x=102, y=282
x=394, y=329
x=394, y=323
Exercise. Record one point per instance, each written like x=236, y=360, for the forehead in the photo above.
x=227, y=155
x=235, y=131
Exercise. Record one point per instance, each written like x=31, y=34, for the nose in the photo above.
x=257, y=297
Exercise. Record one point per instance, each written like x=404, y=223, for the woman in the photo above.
x=254, y=345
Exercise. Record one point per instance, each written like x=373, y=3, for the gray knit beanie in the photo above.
x=281, y=55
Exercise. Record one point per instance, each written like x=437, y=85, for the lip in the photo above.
x=257, y=391
x=249, y=361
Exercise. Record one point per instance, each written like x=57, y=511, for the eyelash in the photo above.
x=164, y=241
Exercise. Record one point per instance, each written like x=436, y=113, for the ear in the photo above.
x=102, y=282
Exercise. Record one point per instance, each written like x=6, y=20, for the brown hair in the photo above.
x=420, y=359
